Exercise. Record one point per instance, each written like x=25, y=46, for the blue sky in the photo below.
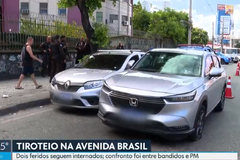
x=203, y=14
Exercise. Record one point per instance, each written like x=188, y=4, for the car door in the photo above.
x=220, y=81
x=210, y=84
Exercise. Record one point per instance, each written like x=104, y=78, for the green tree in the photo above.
x=168, y=24
x=141, y=20
x=199, y=36
x=86, y=8
x=34, y=27
x=137, y=8
x=101, y=38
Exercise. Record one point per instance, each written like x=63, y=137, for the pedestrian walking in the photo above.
x=65, y=50
x=27, y=58
x=80, y=52
x=120, y=46
x=45, y=46
x=58, y=55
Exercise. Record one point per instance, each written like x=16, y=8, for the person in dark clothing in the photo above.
x=57, y=53
x=45, y=49
x=87, y=48
x=79, y=47
x=120, y=46
x=27, y=64
x=65, y=50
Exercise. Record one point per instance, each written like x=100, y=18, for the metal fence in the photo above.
x=15, y=41
x=13, y=33
x=15, y=30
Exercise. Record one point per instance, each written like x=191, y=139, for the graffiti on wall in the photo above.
x=11, y=63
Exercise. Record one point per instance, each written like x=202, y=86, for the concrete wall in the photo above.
x=141, y=43
x=34, y=6
x=10, y=63
x=10, y=15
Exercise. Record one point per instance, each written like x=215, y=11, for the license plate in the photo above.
x=133, y=115
x=65, y=96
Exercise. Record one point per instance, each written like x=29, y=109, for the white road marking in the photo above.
x=26, y=115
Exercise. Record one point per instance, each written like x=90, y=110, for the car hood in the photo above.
x=154, y=82
x=81, y=75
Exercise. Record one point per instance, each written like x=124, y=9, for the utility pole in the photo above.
x=190, y=23
x=212, y=35
x=222, y=34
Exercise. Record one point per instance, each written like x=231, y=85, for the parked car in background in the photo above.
x=80, y=86
x=167, y=92
x=223, y=58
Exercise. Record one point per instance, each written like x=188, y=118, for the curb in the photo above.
x=22, y=106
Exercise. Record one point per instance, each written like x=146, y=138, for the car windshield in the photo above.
x=103, y=61
x=171, y=63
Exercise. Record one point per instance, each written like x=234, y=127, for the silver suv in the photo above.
x=167, y=92
x=80, y=86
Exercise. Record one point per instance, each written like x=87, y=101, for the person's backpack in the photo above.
x=23, y=54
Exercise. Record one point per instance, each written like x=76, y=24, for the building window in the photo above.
x=124, y=18
x=43, y=8
x=113, y=17
x=62, y=11
x=99, y=17
x=25, y=5
x=130, y=20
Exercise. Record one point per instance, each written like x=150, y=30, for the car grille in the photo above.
x=151, y=105
x=69, y=89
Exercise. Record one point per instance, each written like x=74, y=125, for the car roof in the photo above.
x=182, y=51
x=118, y=52
x=195, y=47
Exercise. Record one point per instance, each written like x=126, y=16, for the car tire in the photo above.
x=199, y=124
x=222, y=61
x=221, y=104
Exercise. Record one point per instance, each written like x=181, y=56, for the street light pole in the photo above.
x=222, y=37
x=190, y=23
x=212, y=35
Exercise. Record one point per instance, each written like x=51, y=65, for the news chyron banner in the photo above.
x=97, y=149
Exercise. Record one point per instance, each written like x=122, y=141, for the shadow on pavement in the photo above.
x=78, y=112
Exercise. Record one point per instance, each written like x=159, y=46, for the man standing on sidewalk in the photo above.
x=79, y=47
x=65, y=50
x=57, y=53
x=28, y=64
x=45, y=48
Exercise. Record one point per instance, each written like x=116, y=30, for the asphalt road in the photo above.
x=221, y=132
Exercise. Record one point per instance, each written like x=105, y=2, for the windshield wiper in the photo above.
x=146, y=70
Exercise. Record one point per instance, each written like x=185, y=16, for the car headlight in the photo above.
x=182, y=98
x=93, y=84
x=53, y=82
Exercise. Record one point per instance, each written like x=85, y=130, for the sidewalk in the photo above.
x=16, y=100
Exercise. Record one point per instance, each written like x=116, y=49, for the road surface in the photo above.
x=221, y=132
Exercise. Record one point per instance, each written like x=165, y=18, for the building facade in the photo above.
x=118, y=18
x=11, y=11
x=167, y=4
x=149, y=7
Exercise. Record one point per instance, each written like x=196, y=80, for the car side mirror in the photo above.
x=130, y=64
x=215, y=72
